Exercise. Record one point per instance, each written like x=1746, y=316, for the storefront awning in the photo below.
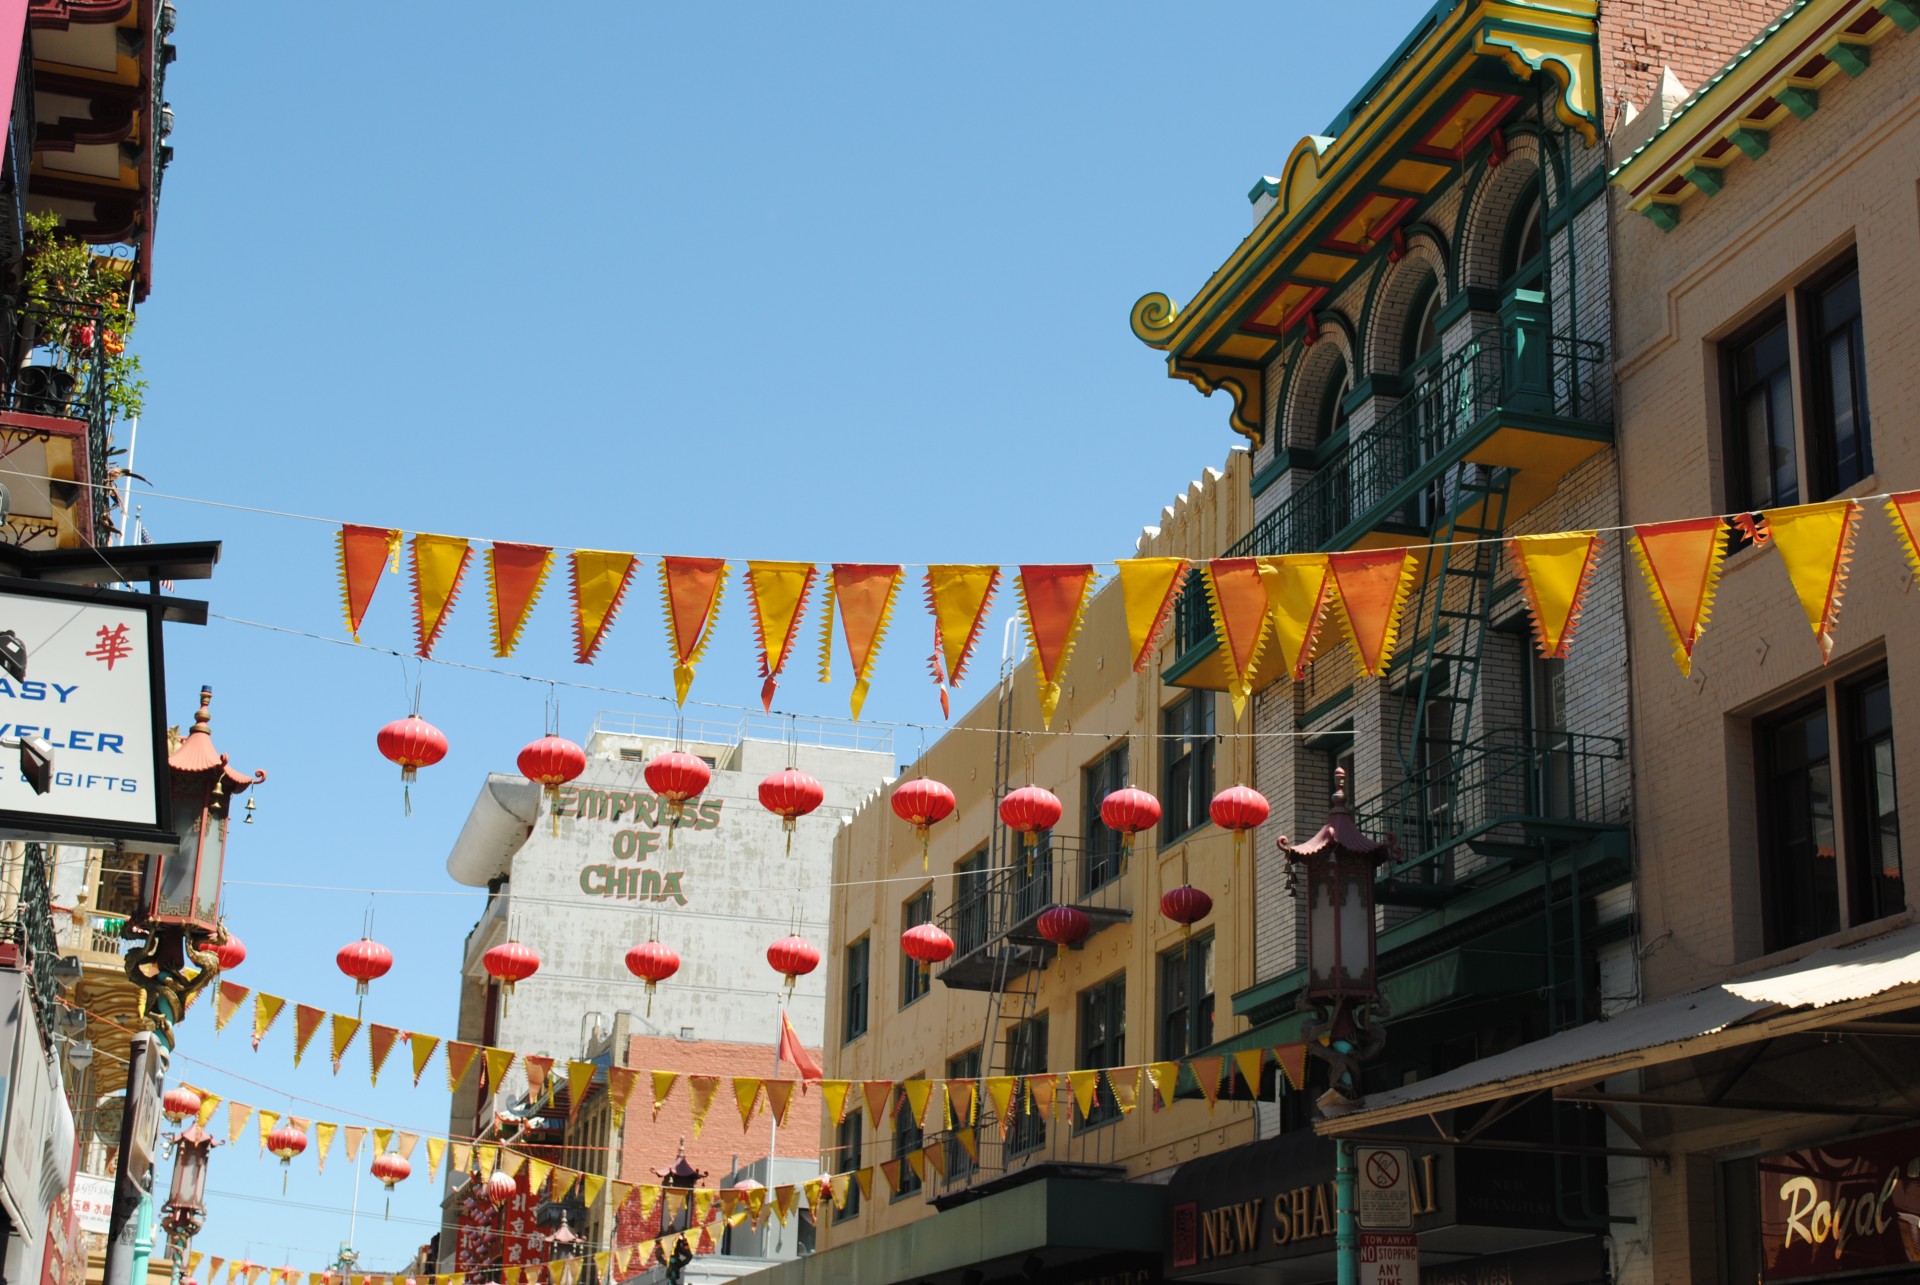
x=1822, y=992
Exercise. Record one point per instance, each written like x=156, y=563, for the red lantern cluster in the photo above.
x=231, y=952
x=677, y=776
x=1064, y=925
x=927, y=945
x=178, y=1103
x=923, y=803
x=1238, y=808
x=1186, y=906
x=793, y=958
x=550, y=763
x=652, y=962
x=413, y=743
x=365, y=960
x=1130, y=811
x=791, y=794
x=1029, y=810
x=511, y=963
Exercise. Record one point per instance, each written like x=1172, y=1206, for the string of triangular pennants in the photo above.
x=1285, y=601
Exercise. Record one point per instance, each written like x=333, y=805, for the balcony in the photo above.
x=1514, y=399
x=1504, y=801
x=54, y=415
x=994, y=919
x=1033, y=1148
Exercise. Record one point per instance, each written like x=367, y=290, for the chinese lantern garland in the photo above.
x=677, y=776
x=413, y=743
x=923, y=803
x=791, y=794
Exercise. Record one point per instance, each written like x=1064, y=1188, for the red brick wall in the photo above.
x=651, y=1144
x=1696, y=38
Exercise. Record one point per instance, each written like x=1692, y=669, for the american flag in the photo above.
x=145, y=536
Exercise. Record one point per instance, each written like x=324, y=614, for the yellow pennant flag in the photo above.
x=834, y=1094
x=537, y=1172
x=265, y=1009
x=1124, y=1083
x=1041, y=1091
x=208, y=1101
x=702, y=1203
x=1297, y=592
x=969, y=1140
x=463, y=1156
x=511, y=1275
x=499, y=1061
x=382, y=1141
x=1000, y=1090
x=746, y=1092
x=1148, y=587
x=323, y=1139
x=1166, y=1079
x=436, y=1152
x=620, y=1085
x=306, y=1021
x=814, y=1190
x=1815, y=542
x=590, y=1185
x=959, y=599
x=838, y=1184
x=422, y=1047
x=344, y=1029
x=700, y=1091
x=1555, y=571
x=622, y=1193
x=917, y=1093
x=963, y=1101
x=267, y=1120
x=512, y=1161
x=1251, y=1063
x=777, y=593
x=600, y=580
x=488, y=1156
x=863, y=1179
x=227, y=1000
x=439, y=563
x=579, y=1079
x=663, y=1082
x=237, y=1113
x=1084, y=1084
x=649, y=1197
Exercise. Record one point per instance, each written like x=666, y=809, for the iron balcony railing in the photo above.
x=1003, y=902
x=1029, y=1143
x=66, y=379
x=1494, y=799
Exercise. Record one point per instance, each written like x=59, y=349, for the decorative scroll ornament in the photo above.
x=1053, y=601
x=863, y=593
x=439, y=564
x=1555, y=571
x=959, y=598
x=1238, y=600
x=1681, y=561
x=600, y=581
x=1148, y=587
x=364, y=551
x=777, y=593
x=1816, y=545
x=1297, y=593
x=515, y=575
x=1373, y=588
x=690, y=590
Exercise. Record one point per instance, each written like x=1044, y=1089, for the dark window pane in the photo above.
x=847, y=1158
x=856, y=1025
x=1103, y=1043
x=1186, y=998
x=970, y=904
x=1026, y=1055
x=1105, y=775
x=1767, y=465
x=1878, y=880
x=915, y=980
x=1187, y=775
x=908, y=1138
x=1803, y=882
x=1844, y=445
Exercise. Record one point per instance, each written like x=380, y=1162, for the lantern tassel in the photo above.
x=387, y=1213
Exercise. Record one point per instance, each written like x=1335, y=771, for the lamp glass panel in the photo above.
x=173, y=898
x=1356, y=924
x=1322, y=926
x=213, y=860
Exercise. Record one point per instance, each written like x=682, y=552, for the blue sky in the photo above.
x=824, y=283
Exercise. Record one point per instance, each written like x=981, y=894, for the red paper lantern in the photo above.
x=1186, y=906
x=791, y=794
x=287, y=1141
x=1030, y=809
x=550, y=763
x=389, y=1169
x=501, y=1187
x=178, y=1103
x=365, y=960
x=793, y=958
x=677, y=776
x=231, y=952
x=926, y=944
x=652, y=962
x=1130, y=811
x=511, y=963
x=1238, y=808
x=923, y=803
x=1064, y=925
x=413, y=743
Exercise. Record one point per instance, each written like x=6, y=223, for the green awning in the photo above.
x=1457, y=973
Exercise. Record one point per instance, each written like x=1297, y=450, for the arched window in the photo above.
x=1333, y=398
x=1523, y=259
x=1423, y=330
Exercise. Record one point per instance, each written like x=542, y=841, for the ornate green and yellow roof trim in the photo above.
x=1731, y=118
x=1457, y=80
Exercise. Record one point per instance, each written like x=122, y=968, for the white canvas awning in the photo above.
x=1822, y=991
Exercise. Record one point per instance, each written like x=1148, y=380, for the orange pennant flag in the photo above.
x=1297, y=594
x=1681, y=561
x=265, y=1009
x=1292, y=1059
x=620, y=1082
x=356, y=1135
x=439, y=564
x=306, y=1020
x=237, y=1113
x=600, y=581
x=962, y=1102
x=879, y=1097
x=226, y=1003
x=777, y=592
x=1148, y=587
x=1903, y=508
x=1238, y=598
x=515, y=575
x=959, y=597
x=380, y=1042
x=690, y=589
x=863, y=594
x=1206, y=1074
x=1041, y=1092
x=1372, y=587
x=459, y=1057
x=1053, y=600
x=779, y=1099
x=1555, y=571
x=700, y=1091
x=344, y=1029
x=1816, y=545
x=364, y=552
x=538, y=1069
x=890, y=1170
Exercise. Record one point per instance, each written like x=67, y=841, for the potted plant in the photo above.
x=77, y=310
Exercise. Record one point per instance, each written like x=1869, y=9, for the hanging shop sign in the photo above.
x=82, y=683
x=1843, y=1207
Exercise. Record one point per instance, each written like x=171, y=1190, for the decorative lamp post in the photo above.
x=682, y=1175
x=185, y=1212
x=1342, y=993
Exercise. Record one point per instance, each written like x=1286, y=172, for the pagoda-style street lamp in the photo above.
x=186, y=1209
x=179, y=912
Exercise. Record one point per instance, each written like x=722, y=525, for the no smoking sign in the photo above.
x=1383, y=1194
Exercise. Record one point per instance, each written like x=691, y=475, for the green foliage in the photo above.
x=82, y=305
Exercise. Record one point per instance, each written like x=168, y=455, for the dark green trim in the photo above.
x=1381, y=385
x=1707, y=178
x=1800, y=101
x=1188, y=660
x=1665, y=215
x=1466, y=299
x=1328, y=705
x=1754, y=142
x=1905, y=14
x=1332, y=738
x=1584, y=193
x=1852, y=58
x=1285, y=460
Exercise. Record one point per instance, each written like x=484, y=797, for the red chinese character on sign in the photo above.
x=112, y=646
